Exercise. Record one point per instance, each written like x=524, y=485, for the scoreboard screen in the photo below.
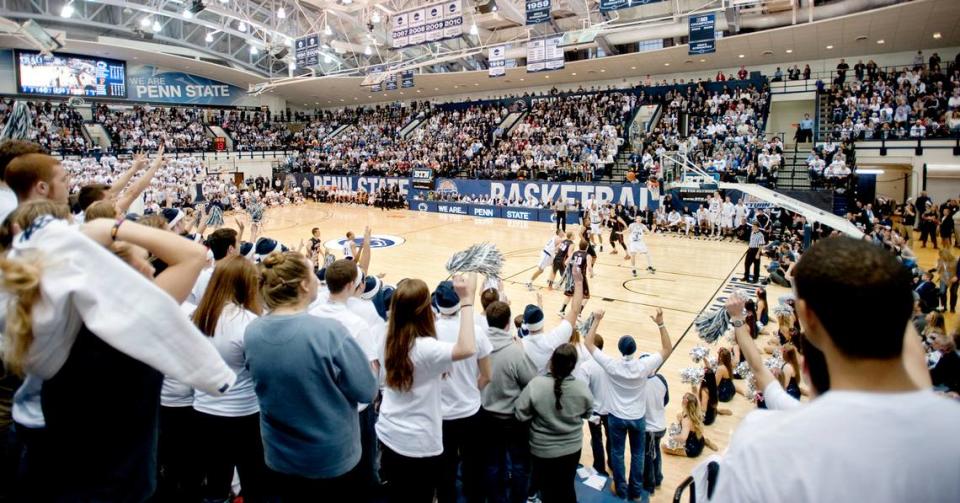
x=70, y=75
x=422, y=178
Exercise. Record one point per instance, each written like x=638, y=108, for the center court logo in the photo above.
x=422, y=207
x=376, y=241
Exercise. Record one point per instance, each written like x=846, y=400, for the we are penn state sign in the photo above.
x=154, y=85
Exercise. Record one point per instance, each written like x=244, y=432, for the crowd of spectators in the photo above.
x=56, y=127
x=253, y=131
x=146, y=127
x=917, y=101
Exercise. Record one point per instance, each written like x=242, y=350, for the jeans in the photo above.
x=462, y=448
x=620, y=430
x=601, y=449
x=228, y=443
x=557, y=475
x=652, y=461
x=180, y=474
x=508, y=458
x=368, y=470
x=295, y=489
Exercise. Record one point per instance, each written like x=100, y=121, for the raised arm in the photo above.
x=748, y=349
x=589, y=341
x=184, y=258
x=139, y=161
x=666, y=346
x=466, y=288
x=130, y=195
x=577, y=301
x=363, y=258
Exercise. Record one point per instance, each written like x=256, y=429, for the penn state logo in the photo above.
x=434, y=12
x=447, y=187
x=453, y=7
x=376, y=241
x=416, y=16
x=399, y=21
x=422, y=207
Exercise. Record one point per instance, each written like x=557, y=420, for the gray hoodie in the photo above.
x=511, y=370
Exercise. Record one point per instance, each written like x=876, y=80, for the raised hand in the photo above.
x=658, y=317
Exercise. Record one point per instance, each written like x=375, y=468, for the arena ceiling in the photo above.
x=128, y=30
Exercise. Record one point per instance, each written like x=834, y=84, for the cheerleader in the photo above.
x=215, y=218
x=255, y=209
x=410, y=425
x=229, y=425
x=689, y=440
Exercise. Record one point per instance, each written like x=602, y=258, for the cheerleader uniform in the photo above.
x=215, y=220
x=792, y=388
x=726, y=389
x=694, y=445
x=709, y=416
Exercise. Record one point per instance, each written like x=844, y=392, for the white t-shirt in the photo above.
x=848, y=446
x=358, y=327
x=174, y=393
x=8, y=201
x=241, y=399
x=656, y=413
x=777, y=398
x=411, y=422
x=628, y=382
x=459, y=394
x=203, y=279
x=539, y=347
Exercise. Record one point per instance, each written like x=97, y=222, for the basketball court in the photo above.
x=691, y=275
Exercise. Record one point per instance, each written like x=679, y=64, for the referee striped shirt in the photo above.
x=757, y=240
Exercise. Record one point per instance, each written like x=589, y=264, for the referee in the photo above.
x=561, y=215
x=753, y=254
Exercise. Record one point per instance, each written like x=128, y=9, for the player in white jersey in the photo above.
x=349, y=247
x=636, y=244
x=714, y=204
x=727, y=213
x=595, y=221
x=740, y=212
x=546, y=257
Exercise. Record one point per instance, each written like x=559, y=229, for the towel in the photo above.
x=83, y=283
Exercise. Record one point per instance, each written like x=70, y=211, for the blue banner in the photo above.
x=612, y=5
x=703, y=34
x=487, y=211
x=406, y=79
x=626, y=194
x=149, y=83
x=538, y=11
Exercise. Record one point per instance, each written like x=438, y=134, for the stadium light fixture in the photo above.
x=209, y=38
x=937, y=35
x=474, y=30
x=187, y=14
x=242, y=27
x=327, y=59
x=145, y=22
x=254, y=50
x=367, y=50
x=346, y=2
x=281, y=13
x=156, y=26
x=375, y=17
x=326, y=30
x=67, y=10
x=292, y=65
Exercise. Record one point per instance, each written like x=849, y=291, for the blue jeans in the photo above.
x=620, y=430
x=508, y=458
x=652, y=461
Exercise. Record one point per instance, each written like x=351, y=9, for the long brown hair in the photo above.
x=410, y=317
x=726, y=360
x=792, y=358
x=234, y=279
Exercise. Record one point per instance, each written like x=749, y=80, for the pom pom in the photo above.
x=584, y=326
x=18, y=123
x=783, y=310
x=743, y=370
x=698, y=353
x=483, y=258
x=712, y=362
x=710, y=326
x=691, y=375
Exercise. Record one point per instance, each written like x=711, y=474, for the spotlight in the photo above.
x=67, y=10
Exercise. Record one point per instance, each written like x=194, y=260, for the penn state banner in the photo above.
x=151, y=84
x=538, y=11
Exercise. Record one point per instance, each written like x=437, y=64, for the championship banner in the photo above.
x=535, y=55
x=612, y=5
x=538, y=11
x=497, y=60
x=703, y=34
x=406, y=79
x=430, y=23
x=306, y=51
x=545, y=54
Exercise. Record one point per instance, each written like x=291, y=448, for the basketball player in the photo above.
x=703, y=221
x=587, y=236
x=546, y=257
x=637, y=245
x=349, y=247
x=714, y=204
x=618, y=225
x=727, y=213
x=595, y=220
x=564, y=250
x=581, y=260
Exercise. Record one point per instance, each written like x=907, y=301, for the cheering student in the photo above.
x=64, y=330
x=311, y=443
x=628, y=379
x=838, y=447
x=590, y=372
x=460, y=403
x=556, y=405
x=411, y=415
x=229, y=425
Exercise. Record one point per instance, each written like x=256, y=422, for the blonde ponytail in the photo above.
x=22, y=280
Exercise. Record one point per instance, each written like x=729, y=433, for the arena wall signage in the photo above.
x=612, y=5
x=703, y=34
x=487, y=211
x=627, y=194
x=152, y=84
x=354, y=183
x=538, y=11
x=428, y=23
x=376, y=241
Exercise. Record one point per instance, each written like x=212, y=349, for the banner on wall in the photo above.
x=545, y=54
x=430, y=23
x=406, y=79
x=703, y=34
x=612, y=5
x=149, y=83
x=538, y=11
